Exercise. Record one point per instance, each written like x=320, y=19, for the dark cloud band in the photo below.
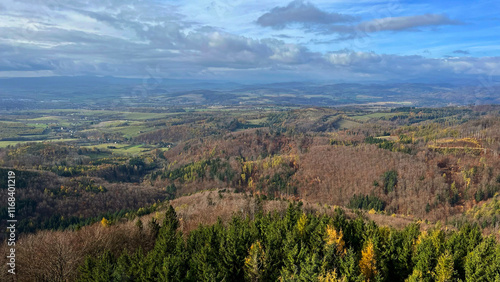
x=300, y=12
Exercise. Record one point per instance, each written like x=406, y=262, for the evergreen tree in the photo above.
x=167, y=245
x=86, y=270
x=139, y=225
x=122, y=271
x=428, y=249
x=461, y=243
x=444, y=269
x=478, y=262
x=349, y=267
x=100, y=269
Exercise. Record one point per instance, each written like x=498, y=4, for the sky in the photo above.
x=253, y=41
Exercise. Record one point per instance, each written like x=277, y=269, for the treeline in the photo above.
x=61, y=222
x=391, y=145
x=216, y=168
x=366, y=202
x=46, y=201
x=411, y=115
x=296, y=246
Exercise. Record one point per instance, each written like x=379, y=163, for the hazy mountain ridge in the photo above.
x=63, y=92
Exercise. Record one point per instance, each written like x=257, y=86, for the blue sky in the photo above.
x=265, y=41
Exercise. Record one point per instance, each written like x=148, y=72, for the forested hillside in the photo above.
x=394, y=185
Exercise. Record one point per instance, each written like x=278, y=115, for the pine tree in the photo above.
x=349, y=266
x=460, y=244
x=309, y=268
x=165, y=245
x=444, y=269
x=302, y=224
x=122, y=270
x=290, y=271
x=479, y=260
x=100, y=269
x=86, y=270
x=428, y=250
x=204, y=246
x=139, y=225
x=174, y=266
x=238, y=238
x=416, y=276
x=154, y=227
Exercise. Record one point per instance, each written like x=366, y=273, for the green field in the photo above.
x=4, y=144
x=373, y=115
x=124, y=149
x=347, y=124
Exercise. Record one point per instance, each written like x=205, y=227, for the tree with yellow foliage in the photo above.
x=335, y=238
x=105, y=222
x=254, y=262
x=331, y=276
x=367, y=264
x=250, y=182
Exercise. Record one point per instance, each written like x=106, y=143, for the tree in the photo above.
x=254, y=262
x=335, y=239
x=330, y=276
x=302, y=224
x=105, y=222
x=367, y=264
x=169, y=244
x=154, y=227
x=416, y=276
x=478, y=262
x=444, y=269
x=428, y=248
x=390, y=180
x=349, y=266
x=100, y=269
x=138, y=224
x=86, y=270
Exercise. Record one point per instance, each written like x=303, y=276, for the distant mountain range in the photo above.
x=112, y=91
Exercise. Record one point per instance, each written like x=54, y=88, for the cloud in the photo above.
x=413, y=66
x=310, y=18
x=392, y=24
x=463, y=52
x=409, y=22
x=129, y=38
x=283, y=36
x=300, y=12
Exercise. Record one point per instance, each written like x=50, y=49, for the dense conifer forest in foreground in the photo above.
x=297, y=246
